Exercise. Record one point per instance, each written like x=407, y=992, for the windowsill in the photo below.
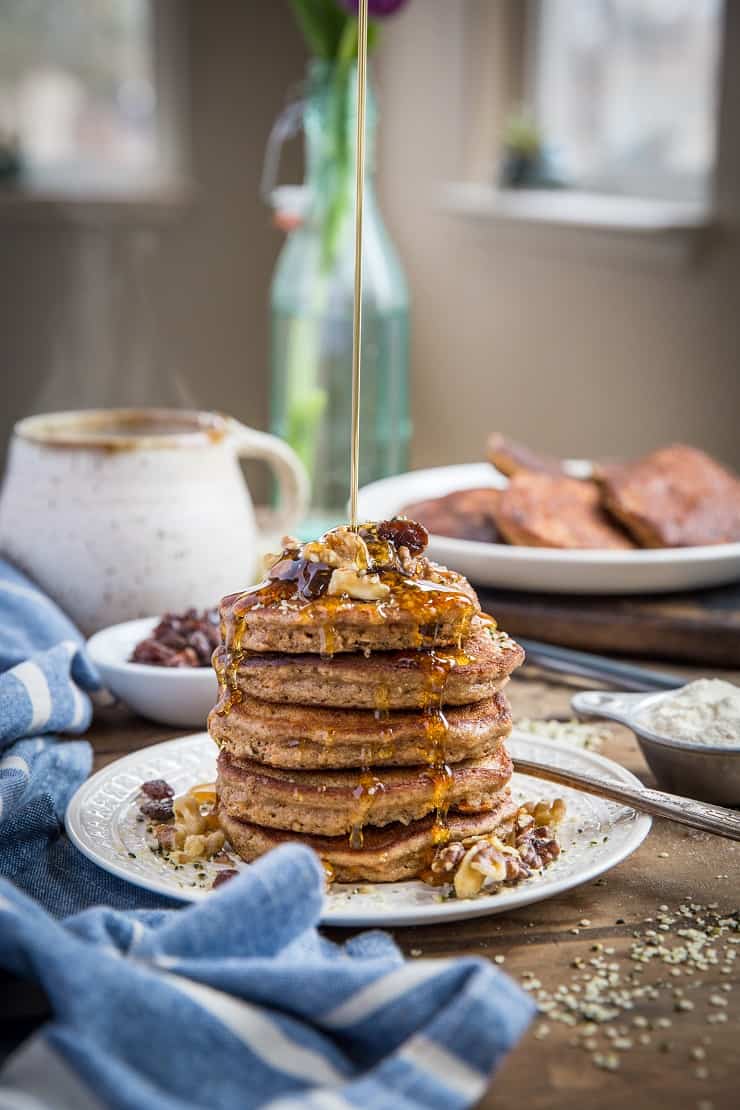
x=156, y=204
x=673, y=227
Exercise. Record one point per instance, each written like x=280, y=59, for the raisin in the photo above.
x=153, y=652
x=181, y=640
x=404, y=533
x=158, y=809
x=224, y=876
x=285, y=570
x=314, y=579
x=170, y=635
x=201, y=645
x=157, y=788
x=188, y=657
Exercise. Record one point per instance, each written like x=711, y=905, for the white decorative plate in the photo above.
x=596, y=834
x=178, y=696
x=548, y=570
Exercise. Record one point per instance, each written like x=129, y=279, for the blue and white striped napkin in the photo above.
x=237, y=1002
x=46, y=683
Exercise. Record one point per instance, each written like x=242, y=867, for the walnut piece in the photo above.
x=484, y=863
x=537, y=847
x=166, y=837
x=542, y=812
x=341, y=548
x=200, y=846
x=448, y=859
x=195, y=832
x=361, y=587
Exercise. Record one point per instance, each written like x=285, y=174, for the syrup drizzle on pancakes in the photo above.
x=299, y=586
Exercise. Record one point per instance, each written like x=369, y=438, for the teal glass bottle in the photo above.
x=311, y=313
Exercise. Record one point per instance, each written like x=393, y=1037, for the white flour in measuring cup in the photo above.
x=704, y=712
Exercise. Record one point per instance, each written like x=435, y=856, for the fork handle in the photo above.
x=686, y=811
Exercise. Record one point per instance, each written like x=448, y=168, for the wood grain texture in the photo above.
x=701, y=627
x=673, y=866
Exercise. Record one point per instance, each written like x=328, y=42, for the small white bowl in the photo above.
x=179, y=696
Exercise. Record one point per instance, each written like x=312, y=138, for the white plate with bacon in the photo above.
x=105, y=822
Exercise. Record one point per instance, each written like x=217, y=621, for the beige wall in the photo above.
x=576, y=353
x=579, y=355
x=150, y=309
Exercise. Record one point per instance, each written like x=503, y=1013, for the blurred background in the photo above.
x=560, y=178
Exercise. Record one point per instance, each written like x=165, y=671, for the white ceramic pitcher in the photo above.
x=120, y=513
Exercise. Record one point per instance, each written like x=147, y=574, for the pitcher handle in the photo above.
x=286, y=126
x=290, y=472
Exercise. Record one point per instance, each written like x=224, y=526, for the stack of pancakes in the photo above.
x=371, y=728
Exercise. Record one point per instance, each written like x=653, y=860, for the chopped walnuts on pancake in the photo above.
x=351, y=562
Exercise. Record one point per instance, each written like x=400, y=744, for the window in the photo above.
x=78, y=94
x=625, y=93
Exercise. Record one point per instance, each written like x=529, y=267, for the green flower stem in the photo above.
x=331, y=35
x=306, y=398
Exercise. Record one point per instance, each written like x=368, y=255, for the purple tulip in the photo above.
x=377, y=9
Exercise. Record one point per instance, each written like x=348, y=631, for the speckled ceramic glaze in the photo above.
x=121, y=514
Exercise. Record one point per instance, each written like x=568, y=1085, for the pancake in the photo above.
x=418, y=613
x=540, y=510
x=306, y=737
x=333, y=803
x=674, y=497
x=382, y=680
x=512, y=458
x=465, y=514
x=389, y=854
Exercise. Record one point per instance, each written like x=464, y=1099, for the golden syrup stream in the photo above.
x=204, y=793
x=382, y=698
x=359, y=213
x=364, y=793
x=328, y=871
x=226, y=663
x=436, y=667
x=369, y=785
x=328, y=640
x=416, y=596
x=384, y=749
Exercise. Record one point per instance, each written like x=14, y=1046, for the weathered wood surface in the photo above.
x=673, y=866
x=701, y=627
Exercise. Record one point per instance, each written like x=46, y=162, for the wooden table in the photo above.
x=673, y=866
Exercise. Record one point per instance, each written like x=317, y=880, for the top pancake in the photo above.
x=364, y=590
x=675, y=497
